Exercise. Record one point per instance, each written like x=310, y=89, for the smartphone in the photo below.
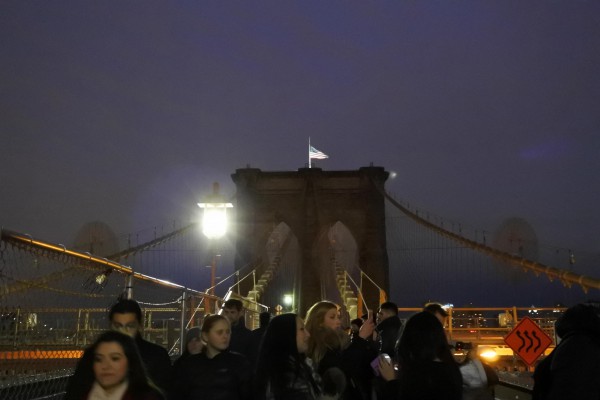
x=375, y=362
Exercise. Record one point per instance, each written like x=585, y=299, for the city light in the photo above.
x=488, y=353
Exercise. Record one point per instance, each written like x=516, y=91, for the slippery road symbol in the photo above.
x=526, y=340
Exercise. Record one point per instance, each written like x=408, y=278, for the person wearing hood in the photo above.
x=571, y=371
x=193, y=345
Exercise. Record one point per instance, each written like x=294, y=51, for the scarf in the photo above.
x=98, y=393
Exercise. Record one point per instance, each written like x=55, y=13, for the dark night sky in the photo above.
x=126, y=111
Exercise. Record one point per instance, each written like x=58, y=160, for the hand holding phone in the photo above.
x=367, y=328
x=377, y=362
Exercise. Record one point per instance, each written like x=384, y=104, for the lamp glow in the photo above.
x=214, y=218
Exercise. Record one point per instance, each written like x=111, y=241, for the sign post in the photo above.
x=528, y=340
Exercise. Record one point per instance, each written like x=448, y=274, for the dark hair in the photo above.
x=435, y=308
x=423, y=340
x=388, y=305
x=581, y=318
x=264, y=318
x=278, y=357
x=233, y=303
x=139, y=384
x=357, y=321
x=126, y=306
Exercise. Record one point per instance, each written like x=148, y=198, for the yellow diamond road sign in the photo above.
x=528, y=340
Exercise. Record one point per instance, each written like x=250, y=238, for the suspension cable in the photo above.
x=566, y=277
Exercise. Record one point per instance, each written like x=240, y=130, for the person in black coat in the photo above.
x=241, y=342
x=216, y=373
x=427, y=370
x=283, y=372
x=388, y=328
x=572, y=370
x=126, y=317
x=193, y=345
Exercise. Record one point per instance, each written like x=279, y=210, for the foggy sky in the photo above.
x=126, y=112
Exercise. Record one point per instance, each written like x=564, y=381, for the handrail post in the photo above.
x=78, y=324
x=86, y=326
x=182, y=323
x=129, y=287
x=18, y=316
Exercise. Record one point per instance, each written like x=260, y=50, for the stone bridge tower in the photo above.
x=310, y=201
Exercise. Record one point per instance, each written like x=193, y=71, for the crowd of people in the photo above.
x=295, y=358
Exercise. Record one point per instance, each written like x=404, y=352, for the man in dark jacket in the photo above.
x=388, y=328
x=126, y=316
x=240, y=342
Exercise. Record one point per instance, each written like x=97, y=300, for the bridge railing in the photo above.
x=489, y=326
x=54, y=302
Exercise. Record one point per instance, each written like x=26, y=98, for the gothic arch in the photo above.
x=311, y=201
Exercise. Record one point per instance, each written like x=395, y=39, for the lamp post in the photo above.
x=214, y=224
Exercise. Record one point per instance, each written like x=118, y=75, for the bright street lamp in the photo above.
x=214, y=223
x=214, y=218
x=288, y=300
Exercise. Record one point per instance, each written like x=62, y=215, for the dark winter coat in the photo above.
x=157, y=362
x=387, y=336
x=148, y=395
x=426, y=381
x=572, y=370
x=227, y=376
x=294, y=384
x=354, y=363
x=241, y=339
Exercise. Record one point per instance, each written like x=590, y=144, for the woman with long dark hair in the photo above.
x=216, y=373
x=427, y=370
x=283, y=372
x=113, y=370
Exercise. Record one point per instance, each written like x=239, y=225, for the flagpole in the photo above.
x=309, y=166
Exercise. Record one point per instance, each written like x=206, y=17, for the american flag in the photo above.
x=314, y=153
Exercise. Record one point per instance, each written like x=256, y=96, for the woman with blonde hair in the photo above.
x=342, y=363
